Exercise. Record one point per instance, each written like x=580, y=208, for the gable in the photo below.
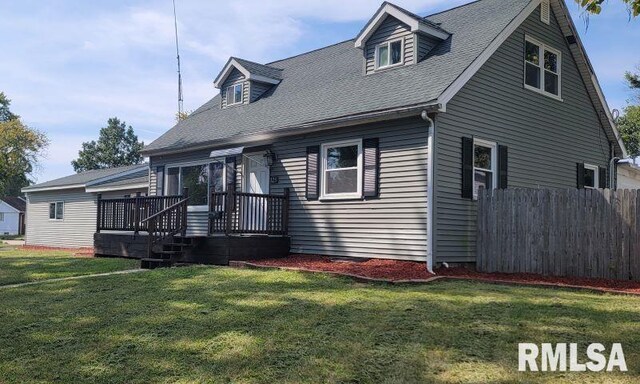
x=391, y=29
x=545, y=136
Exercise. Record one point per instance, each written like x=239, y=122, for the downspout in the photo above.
x=431, y=129
x=613, y=168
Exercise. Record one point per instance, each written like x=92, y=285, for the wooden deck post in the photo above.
x=228, y=210
x=285, y=212
x=183, y=225
x=136, y=214
x=98, y=213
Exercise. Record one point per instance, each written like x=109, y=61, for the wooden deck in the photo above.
x=242, y=226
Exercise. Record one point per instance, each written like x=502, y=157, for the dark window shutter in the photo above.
x=371, y=168
x=467, y=168
x=602, y=177
x=160, y=181
x=503, y=167
x=580, y=175
x=231, y=173
x=313, y=169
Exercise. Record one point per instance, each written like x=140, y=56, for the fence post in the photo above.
x=285, y=212
x=98, y=215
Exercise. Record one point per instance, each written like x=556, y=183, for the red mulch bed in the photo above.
x=77, y=251
x=373, y=268
x=395, y=270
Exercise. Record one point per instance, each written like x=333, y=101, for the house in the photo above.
x=628, y=174
x=12, y=216
x=376, y=146
x=62, y=212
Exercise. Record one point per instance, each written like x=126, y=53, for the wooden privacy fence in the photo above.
x=576, y=232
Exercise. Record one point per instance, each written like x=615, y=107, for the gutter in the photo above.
x=299, y=129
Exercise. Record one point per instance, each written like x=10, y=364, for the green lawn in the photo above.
x=204, y=324
x=21, y=265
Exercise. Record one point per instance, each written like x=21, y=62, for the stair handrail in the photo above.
x=155, y=236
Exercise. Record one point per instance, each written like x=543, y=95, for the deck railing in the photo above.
x=130, y=214
x=166, y=223
x=249, y=213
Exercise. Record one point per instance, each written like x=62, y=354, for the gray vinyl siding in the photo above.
x=425, y=45
x=390, y=29
x=235, y=77
x=257, y=89
x=545, y=137
x=197, y=222
x=79, y=222
x=391, y=226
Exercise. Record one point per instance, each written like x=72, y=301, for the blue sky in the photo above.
x=70, y=65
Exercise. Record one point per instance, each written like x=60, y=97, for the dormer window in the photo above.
x=234, y=94
x=389, y=54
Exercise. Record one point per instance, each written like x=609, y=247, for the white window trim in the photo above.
x=1, y=216
x=323, y=168
x=233, y=88
x=388, y=43
x=195, y=208
x=56, y=211
x=494, y=163
x=596, y=176
x=542, y=47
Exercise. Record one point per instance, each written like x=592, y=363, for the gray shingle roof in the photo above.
x=329, y=83
x=136, y=178
x=260, y=69
x=84, y=178
x=15, y=202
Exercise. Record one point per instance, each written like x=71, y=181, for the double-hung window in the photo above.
x=389, y=54
x=542, y=68
x=1, y=216
x=56, y=210
x=484, y=165
x=341, y=173
x=591, y=176
x=234, y=94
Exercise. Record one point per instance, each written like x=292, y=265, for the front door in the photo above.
x=256, y=181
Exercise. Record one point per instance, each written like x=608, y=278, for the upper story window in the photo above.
x=542, y=68
x=56, y=210
x=484, y=165
x=389, y=54
x=342, y=170
x=234, y=94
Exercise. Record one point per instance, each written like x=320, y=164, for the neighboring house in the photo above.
x=628, y=175
x=12, y=216
x=384, y=140
x=62, y=212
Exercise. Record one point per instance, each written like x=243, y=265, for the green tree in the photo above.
x=20, y=150
x=5, y=113
x=595, y=6
x=117, y=146
x=629, y=128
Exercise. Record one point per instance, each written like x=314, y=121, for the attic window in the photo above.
x=234, y=94
x=389, y=54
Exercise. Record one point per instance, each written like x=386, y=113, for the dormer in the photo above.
x=395, y=37
x=243, y=82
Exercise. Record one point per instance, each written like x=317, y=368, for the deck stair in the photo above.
x=167, y=254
